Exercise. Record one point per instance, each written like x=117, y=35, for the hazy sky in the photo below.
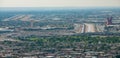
x=59, y=3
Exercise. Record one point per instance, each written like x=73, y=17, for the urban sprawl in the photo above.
x=60, y=33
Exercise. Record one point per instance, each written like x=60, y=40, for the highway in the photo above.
x=90, y=28
x=85, y=28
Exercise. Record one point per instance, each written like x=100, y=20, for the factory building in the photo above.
x=109, y=21
x=111, y=27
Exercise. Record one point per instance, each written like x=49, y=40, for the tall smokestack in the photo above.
x=31, y=23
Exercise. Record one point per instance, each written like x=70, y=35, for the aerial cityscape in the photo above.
x=60, y=33
x=59, y=28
